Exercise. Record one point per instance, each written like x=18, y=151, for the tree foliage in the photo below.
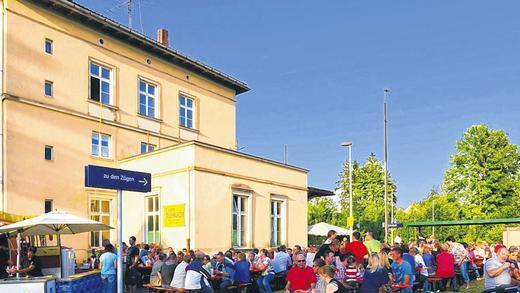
x=367, y=193
x=323, y=209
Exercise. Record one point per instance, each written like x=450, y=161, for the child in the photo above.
x=351, y=273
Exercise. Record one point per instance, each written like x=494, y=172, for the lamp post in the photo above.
x=386, y=92
x=351, y=215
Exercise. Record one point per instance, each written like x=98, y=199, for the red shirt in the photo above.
x=301, y=279
x=445, y=262
x=357, y=248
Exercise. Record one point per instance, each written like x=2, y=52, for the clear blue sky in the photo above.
x=317, y=70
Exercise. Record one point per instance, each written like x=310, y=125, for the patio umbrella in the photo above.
x=322, y=228
x=56, y=222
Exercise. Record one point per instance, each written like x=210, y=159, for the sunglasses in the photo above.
x=300, y=260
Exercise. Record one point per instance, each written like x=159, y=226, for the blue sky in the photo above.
x=317, y=70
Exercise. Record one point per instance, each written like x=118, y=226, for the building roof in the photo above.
x=317, y=192
x=463, y=222
x=98, y=22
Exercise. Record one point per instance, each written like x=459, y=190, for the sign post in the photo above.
x=118, y=179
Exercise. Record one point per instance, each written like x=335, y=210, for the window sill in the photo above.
x=111, y=107
x=149, y=118
x=102, y=159
x=189, y=129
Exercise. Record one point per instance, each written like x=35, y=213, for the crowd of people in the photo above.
x=336, y=266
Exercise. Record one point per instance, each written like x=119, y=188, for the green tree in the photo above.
x=367, y=194
x=484, y=172
x=324, y=209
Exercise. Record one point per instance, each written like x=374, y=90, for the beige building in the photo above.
x=80, y=89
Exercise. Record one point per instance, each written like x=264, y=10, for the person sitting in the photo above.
x=31, y=265
x=226, y=269
x=282, y=261
x=429, y=259
x=330, y=259
x=331, y=285
x=445, y=264
x=143, y=252
x=320, y=284
x=301, y=277
x=376, y=275
x=179, y=276
x=264, y=265
x=167, y=270
x=402, y=270
x=497, y=271
x=197, y=278
x=351, y=272
x=356, y=247
x=341, y=265
x=422, y=274
x=206, y=263
x=148, y=259
x=242, y=273
x=155, y=274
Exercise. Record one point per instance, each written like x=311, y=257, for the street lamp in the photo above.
x=351, y=215
x=386, y=92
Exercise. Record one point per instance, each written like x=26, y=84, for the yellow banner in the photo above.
x=173, y=215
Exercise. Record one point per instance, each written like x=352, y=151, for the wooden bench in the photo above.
x=152, y=288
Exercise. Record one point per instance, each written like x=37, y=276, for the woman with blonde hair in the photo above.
x=384, y=261
x=376, y=274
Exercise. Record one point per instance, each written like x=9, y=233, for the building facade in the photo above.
x=80, y=89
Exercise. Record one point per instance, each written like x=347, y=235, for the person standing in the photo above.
x=461, y=258
x=108, y=265
x=132, y=275
x=373, y=245
x=31, y=266
x=301, y=277
x=282, y=261
x=356, y=247
x=402, y=270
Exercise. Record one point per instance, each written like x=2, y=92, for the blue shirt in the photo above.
x=281, y=261
x=428, y=261
x=242, y=274
x=372, y=281
x=228, y=267
x=107, y=260
x=402, y=270
x=410, y=259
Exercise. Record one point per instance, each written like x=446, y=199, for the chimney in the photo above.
x=162, y=36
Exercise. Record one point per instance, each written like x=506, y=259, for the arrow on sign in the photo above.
x=143, y=181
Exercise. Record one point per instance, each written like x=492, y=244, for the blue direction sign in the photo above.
x=110, y=178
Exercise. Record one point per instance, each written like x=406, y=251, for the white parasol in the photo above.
x=321, y=229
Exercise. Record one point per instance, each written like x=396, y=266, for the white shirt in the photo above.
x=419, y=262
x=179, y=276
x=193, y=279
x=309, y=259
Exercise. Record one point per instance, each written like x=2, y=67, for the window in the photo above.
x=48, y=46
x=48, y=205
x=147, y=147
x=100, y=83
x=151, y=218
x=47, y=89
x=100, y=210
x=101, y=145
x=147, y=99
x=276, y=222
x=48, y=153
x=240, y=220
x=186, y=112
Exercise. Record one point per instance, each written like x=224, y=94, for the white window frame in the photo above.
x=183, y=121
x=148, y=145
x=101, y=80
x=147, y=95
x=247, y=195
x=282, y=214
x=51, y=148
x=100, y=213
x=156, y=212
x=100, y=136
x=51, y=46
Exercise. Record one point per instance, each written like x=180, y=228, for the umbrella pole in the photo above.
x=58, y=242
x=18, y=250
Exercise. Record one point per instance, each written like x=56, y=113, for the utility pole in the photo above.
x=285, y=158
x=433, y=217
x=386, y=92
x=129, y=8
